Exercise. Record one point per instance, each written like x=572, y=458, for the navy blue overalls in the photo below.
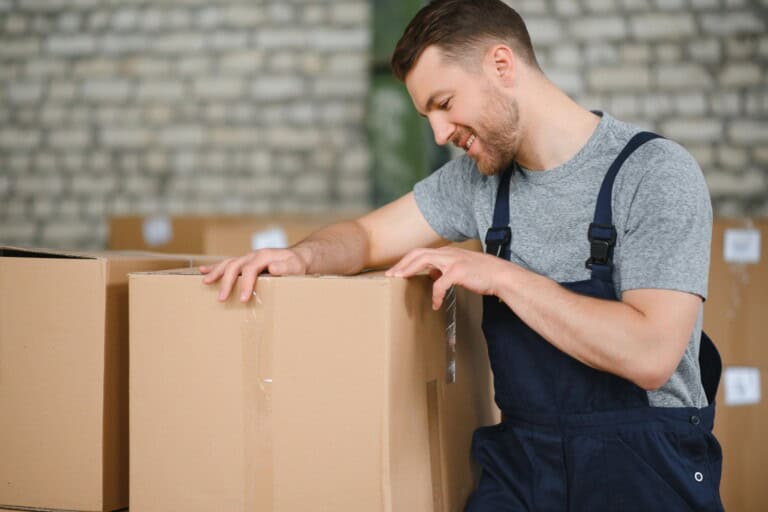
x=573, y=438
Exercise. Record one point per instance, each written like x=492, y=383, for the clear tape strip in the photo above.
x=257, y=410
x=450, y=331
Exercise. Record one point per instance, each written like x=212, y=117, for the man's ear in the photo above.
x=503, y=64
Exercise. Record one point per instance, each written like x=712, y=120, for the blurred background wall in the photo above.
x=114, y=107
x=695, y=71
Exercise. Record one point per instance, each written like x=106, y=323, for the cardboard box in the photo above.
x=735, y=317
x=219, y=235
x=321, y=393
x=64, y=377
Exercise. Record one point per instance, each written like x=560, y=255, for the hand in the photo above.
x=448, y=266
x=278, y=262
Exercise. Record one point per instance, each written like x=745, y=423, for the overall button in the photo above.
x=695, y=420
x=698, y=476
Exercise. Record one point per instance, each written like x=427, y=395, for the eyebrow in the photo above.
x=431, y=100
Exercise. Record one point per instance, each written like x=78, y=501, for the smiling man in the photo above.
x=604, y=378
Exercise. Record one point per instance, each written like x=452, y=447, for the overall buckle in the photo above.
x=497, y=238
x=602, y=239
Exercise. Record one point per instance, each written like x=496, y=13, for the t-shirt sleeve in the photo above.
x=445, y=199
x=666, y=240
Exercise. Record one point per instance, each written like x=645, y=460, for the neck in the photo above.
x=553, y=127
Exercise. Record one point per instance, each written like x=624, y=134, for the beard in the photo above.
x=498, y=131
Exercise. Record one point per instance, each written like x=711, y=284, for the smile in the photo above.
x=470, y=140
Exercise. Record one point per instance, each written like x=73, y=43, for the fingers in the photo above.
x=247, y=268
x=249, y=274
x=435, y=274
x=420, y=260
x=229, y=276
x=446, y=266
x=440, y=289
x=214, y=272
x=398, y=269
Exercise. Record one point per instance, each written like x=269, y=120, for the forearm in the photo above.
x=337, y=249
x=607, y=335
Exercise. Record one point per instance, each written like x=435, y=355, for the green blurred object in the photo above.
x=389, y=20
x=403, y=150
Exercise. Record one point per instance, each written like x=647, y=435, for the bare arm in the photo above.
x=372, y=241
x=642, y=338
x=375, y=240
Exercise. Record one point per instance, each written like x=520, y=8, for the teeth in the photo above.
x=470, y=141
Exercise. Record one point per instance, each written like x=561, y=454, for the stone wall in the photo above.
x=695, y=71
x=191, y=106
x=177, y=106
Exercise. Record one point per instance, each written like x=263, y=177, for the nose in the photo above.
x=442, y=129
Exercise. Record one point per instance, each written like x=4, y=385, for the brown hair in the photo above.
x=460, y=28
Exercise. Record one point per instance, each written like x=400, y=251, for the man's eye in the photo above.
x=446, y=104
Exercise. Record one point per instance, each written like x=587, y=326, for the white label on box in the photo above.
x=157, y=230
x=742, y=385
x=742, y=245
x=272, y=238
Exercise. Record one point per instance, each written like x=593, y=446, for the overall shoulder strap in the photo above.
x=499, y=235
x=602, y=233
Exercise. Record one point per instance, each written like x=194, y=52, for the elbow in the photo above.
x=656, y=358
x=652, y=381
x=652, y=374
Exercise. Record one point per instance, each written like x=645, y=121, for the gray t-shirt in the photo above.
x=661, y=210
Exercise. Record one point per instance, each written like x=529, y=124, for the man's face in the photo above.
x=466, y=109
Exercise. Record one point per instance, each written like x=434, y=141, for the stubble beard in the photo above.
x=499, y=132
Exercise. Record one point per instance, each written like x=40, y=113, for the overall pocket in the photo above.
x=662, y=470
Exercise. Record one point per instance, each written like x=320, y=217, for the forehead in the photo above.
x=431, y=73
x=431, y=61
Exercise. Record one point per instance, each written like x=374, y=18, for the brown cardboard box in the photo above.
x=322, y=393
x=64, y=377
x=735, y=317
x=220, y=235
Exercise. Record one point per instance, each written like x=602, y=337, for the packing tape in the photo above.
x=257, y=408
x=450, y=332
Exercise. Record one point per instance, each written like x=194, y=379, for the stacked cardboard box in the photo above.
x=735, y=318
x=219, y=235
x=321, y=393
x=64, y=377
x=324, y=391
